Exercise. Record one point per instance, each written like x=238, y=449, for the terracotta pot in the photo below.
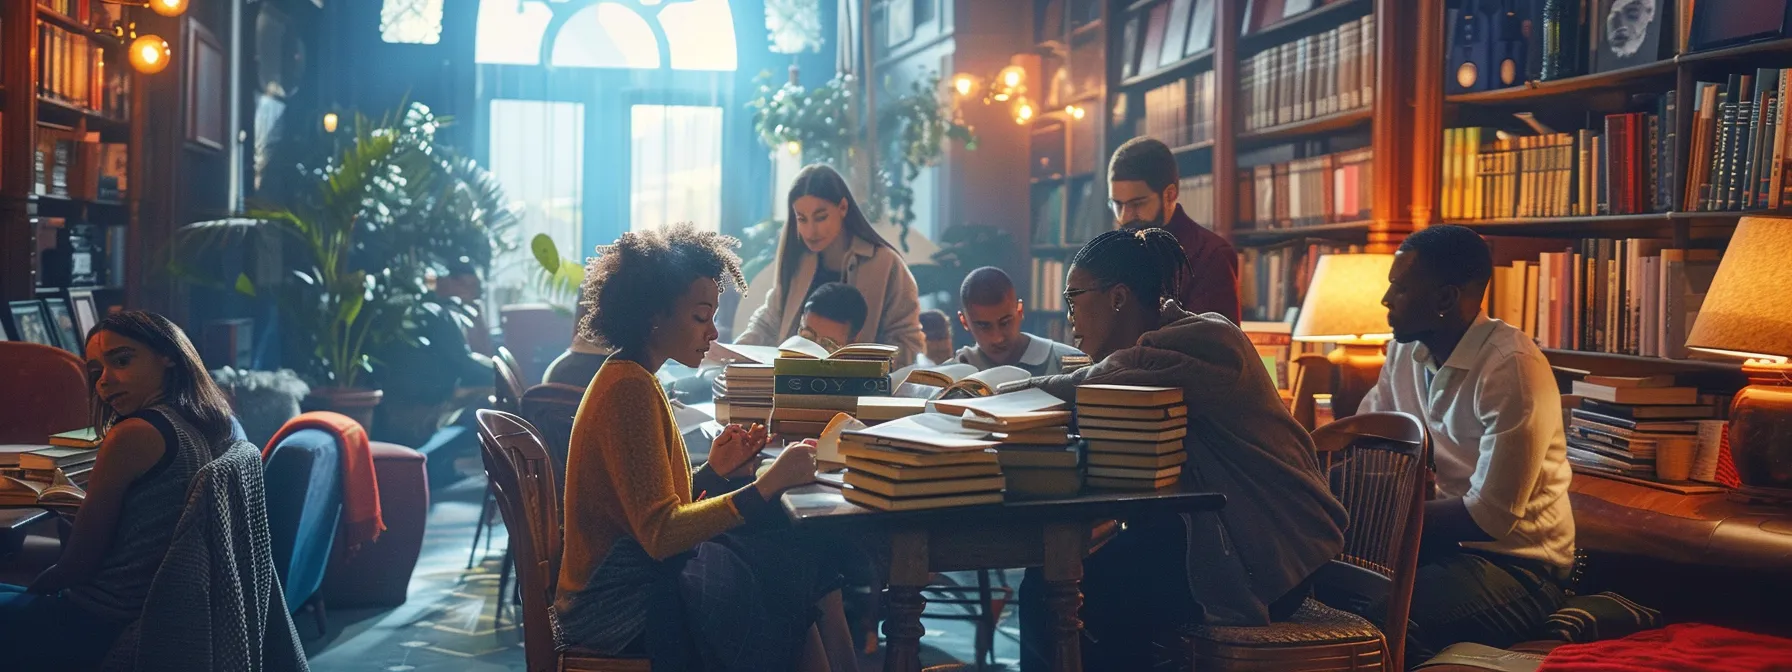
x=354, y=402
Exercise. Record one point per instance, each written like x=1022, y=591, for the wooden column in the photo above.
x=1225, y=116
x=17, y=135
x=1395, y=43
x=1428, y=113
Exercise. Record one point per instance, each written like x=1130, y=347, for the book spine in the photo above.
x=833, y=385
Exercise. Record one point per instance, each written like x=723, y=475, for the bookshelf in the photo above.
x=1673, y=206
x=66, y=133
x=1291, y=94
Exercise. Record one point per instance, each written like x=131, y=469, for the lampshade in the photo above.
x=1344, y=300
x=1745, y=312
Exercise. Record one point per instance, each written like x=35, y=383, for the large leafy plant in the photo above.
x=356, y=235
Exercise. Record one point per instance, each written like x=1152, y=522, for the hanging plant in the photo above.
x=793, y=26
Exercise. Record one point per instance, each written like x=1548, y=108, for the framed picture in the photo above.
x=207, y=76
x=1723, y=23
x=1629, y=33
x=62, y=322
x=31, y=323
x=87, y=313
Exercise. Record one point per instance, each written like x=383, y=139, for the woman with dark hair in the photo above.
x=650, y=563
x=1244, y=565
x=160, y=418
x=826, y=239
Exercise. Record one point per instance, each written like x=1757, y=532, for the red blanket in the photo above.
x=360, y=489
x=1688, y=647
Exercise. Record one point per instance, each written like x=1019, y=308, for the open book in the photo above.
x=955, y=381
x=16, y=491
x=797, y=347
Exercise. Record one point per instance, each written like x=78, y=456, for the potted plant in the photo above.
x=355, y=239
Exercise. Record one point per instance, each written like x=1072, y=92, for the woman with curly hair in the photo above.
x=827, y=239
x=653, y=561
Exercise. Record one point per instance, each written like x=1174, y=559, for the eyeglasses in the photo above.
x=826, y=343
x=1073, y=292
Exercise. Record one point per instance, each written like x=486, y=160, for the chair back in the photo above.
x=304, y=495
x=517, y=465
x=45, y=392
x=550, y=407
x=1375, y=464
x=507, y=386
x=536, y=333
x=509, y=358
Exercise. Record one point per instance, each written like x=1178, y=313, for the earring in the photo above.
x=1440, y=313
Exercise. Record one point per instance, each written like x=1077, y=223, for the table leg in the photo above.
x=1065, y=544
x=903, y=600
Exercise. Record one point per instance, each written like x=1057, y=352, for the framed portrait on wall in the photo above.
x=30, y=322
x=87, y=313
x=62, y=322
x=207, y=97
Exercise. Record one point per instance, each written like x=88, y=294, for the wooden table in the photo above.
x=1053, y=534
x=13, y=522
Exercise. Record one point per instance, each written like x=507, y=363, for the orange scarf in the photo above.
x=360, y=489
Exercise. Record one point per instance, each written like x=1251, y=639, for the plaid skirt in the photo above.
x=743, y=601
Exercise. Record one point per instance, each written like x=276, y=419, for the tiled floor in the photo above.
x=447, y=624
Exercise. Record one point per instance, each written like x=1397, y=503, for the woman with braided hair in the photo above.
x=1246, y=564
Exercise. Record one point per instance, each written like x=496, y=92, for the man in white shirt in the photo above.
x=992, y=312
x=1499, y=538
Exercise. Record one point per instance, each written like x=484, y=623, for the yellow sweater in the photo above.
x=627, y=474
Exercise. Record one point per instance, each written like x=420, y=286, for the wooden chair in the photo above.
x=509, y=359
x=1375, y=464
x=46, y=392
x=517, y=465
x=507, y=397
x=550, y=407
x=507, y=382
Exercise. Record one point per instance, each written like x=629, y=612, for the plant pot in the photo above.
x=356, y=403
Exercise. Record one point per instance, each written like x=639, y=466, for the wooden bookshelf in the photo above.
x=1336, y=121
x=1343, y=231
x=28, y=115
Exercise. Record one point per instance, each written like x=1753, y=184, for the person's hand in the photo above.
x=794, y=467
x=50, y=582
x=732, y=453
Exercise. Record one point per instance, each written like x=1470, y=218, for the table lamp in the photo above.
x=1745, y=314
x=1343, y=306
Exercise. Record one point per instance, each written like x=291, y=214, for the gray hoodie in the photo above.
x=1280, y=522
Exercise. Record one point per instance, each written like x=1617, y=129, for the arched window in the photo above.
x=679, y=34
x=411, y=21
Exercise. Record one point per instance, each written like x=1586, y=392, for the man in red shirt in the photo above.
x=1142, y=190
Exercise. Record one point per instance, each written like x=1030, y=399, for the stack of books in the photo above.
x=1620, y=421
x=744, y=393
x=49, y=476
x=1038, y=456
x=1134, y=435
x=923, y=461
x=811, y=385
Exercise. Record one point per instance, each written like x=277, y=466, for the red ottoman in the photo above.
x=380, y=574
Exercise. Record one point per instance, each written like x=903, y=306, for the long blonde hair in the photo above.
x=821, y=181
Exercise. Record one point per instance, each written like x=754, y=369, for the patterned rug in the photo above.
x=450, y=621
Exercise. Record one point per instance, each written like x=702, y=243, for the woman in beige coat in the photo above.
x=827, y=239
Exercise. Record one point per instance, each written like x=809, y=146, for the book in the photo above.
x=1143, y=437
x=1033, y=483
x=786, y=366
x=926, y=432
x=1098, y=422
x=1134, y=447
x=1062, y=457
x=1029, y=400
x=873, y=410
x=80, y=438
x=816, y=401
x=1149, y=462
x=1112, y=483
x=833, y=385
x=956, y=381
x=933, y=488
x=1042, y=436
x=1126, y=413
x=1664, y=380
x=1637, y=395
x=1015, y=422
x=797, y=347
x=1650, y=411
x=1146, y=474
x=55, y=457
x=1132, y=396
x=875, y=501
x=899, y=472
x=1633, y=425
x=850, y=449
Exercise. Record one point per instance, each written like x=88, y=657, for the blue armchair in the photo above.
x=304, y=495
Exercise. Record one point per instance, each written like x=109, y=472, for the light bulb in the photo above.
x=1013, y=75
x=150, y=54
x=168, y=7
x=1074, y=111
x=1023, y=111
x=330, y=121
x=962, y=84
x=793, y=147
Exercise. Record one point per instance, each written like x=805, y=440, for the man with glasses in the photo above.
x=1142, y=191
